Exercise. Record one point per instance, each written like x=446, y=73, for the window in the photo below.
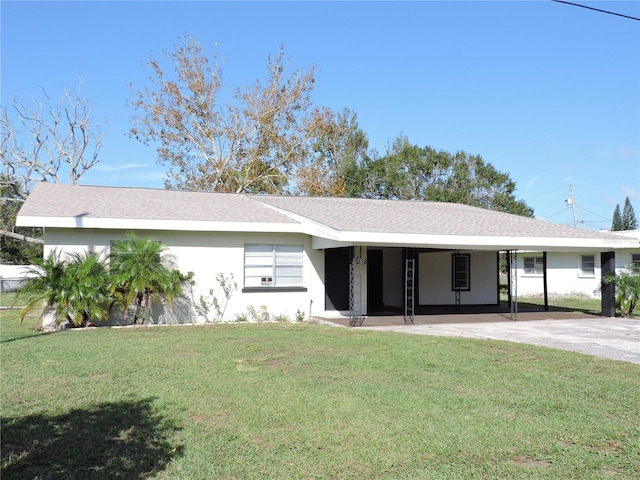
x=461, y=278
x=269, y=266
x=635, y=262
x=587, y=265
x=533, y=265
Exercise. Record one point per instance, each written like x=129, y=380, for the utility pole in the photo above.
x=571, y=201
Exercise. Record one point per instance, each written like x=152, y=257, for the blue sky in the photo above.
x=547, y=92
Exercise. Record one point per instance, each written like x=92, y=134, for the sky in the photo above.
x=544, y=91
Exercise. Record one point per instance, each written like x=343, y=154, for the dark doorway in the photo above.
x=374, y=282
x=336, y=278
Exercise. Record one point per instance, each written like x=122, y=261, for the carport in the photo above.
x=423, y=255
x=355, y=281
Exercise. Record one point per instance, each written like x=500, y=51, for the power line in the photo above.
x=557, y=213
x=592, y=213
x=597, y=10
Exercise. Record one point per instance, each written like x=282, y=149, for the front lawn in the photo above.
x=298, y=401
x=7, y=299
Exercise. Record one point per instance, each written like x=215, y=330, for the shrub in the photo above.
x=74, y=291
x=257, y=315
x=140, y=274
x=627, y=289
x=208, y=304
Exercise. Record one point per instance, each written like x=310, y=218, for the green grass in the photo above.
x=7, y=298
x=561, y=304
x=591, y=306
x=297, y=401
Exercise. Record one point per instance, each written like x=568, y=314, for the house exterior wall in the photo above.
x=207, y=255
x=434, y=279
x=623, y=258
x=564, y=277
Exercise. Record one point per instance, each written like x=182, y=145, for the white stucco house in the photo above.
x=317, y=256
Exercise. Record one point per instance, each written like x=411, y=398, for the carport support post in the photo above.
x=544, y=281
x=608, y=265
x=509, y=278
x=513, y=300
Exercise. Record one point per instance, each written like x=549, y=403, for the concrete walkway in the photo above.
x=612, y=338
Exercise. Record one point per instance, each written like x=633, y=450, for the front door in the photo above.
x=336, y=278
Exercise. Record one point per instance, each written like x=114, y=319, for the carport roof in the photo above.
x=331, y=221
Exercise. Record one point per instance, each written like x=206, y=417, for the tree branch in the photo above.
x=18, y=236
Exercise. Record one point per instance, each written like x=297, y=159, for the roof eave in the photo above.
x=145, y=224
x=462, y=242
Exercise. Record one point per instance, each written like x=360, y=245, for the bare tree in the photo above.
x=47, y=141
x=52, y=141
x=251, y=141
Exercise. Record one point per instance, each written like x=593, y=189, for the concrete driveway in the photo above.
x=612, y=338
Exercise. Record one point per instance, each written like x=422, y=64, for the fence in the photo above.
x=10, y=284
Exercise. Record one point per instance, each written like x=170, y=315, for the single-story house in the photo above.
x=314, y=256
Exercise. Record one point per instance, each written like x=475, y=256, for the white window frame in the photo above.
x=635, y=262
x=588, y=261
x=273, y=266
x=538, y=266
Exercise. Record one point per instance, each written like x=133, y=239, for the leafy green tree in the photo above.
x=627, y=289
x=141, y=273
x=338, y=146
x=616, y=224
x=409, y=172
x=629, y=221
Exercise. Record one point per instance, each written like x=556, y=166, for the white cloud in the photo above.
x=624, y=152
x=631, y=192
x=619, y=153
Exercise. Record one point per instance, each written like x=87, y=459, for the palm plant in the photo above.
x=87, y=289
x=43, y=288
x=140, y=274
x=75, y=291
x=627, y=289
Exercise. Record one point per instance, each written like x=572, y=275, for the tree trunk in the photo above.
x=18, y=236
x=138, y=306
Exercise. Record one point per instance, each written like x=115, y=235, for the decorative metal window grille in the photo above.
x=461, y=272
x=273, y=265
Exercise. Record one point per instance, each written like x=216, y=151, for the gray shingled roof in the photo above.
x=413, y=217
x=339, y=214
x=58, y=200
